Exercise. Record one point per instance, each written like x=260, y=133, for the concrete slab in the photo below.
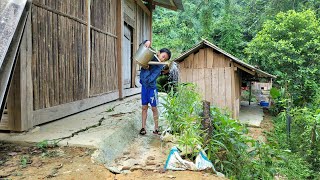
x=120, y=122
x=250, y=114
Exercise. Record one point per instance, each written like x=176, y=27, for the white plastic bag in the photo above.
x=202, y=161
x=175, y=162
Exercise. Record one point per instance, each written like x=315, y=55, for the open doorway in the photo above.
x=127, y=54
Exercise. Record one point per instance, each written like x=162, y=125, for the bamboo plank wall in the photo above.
x=103, y=47
x=143, y=33
x=212, y=74
x=143, y=25
x=59, y=61
x=59, y=53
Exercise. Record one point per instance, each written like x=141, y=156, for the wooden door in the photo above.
x=126, y=57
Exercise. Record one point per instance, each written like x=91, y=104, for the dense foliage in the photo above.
x=229, y=148
x=289, y=47
x=230, y=24
x=280, y=37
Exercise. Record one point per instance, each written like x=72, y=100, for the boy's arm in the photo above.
x=153, y=75
x=144, y=73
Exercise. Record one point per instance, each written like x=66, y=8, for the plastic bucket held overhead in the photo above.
x=144, y=55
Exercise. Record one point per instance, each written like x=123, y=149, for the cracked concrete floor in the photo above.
x=251, y=114
x=120, y=122
x=66, y=126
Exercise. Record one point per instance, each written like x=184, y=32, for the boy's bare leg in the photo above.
x=155, y=117
x=144, y=115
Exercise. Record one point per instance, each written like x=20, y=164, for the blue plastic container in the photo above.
x=264, y=104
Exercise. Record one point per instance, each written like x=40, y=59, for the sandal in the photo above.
x=157, y=132
x=143, y=131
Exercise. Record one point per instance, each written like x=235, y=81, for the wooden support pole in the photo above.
x=250, y=93
x=206, y=121
x=88, y=48
x=150, y=18
x=26, y=87
x=119, y=46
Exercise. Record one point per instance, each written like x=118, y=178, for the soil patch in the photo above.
x=266, y=125
x=19, y=161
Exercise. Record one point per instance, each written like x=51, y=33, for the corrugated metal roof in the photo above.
x=170, y=4
x=204, y=43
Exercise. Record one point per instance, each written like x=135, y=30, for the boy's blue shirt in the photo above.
x=148, y=77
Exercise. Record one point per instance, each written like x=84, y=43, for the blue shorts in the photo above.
x=149, y=95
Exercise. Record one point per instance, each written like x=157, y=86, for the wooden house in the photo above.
x=72, y=55
x=218, y=74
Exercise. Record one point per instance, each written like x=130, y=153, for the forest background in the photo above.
x=279, y=37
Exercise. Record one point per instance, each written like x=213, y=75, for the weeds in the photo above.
x=230, y=149
x=24, y=160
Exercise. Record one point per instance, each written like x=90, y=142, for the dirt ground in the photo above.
x=29, y=162
x=23, y=161
x=265, y=126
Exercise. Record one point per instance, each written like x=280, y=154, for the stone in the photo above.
x=219, y=174
x=171, y=176
x=126, y=153
x=134, y=168
x=125, y=172
x=36, y=129
x=150, y=163
x=4, y=174
x=130, y=162
x=125, y=168
x=151, y=158
x=12, y=153
x=114, y=170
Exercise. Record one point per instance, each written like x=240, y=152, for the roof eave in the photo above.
x=236, y=60
x=177, y=5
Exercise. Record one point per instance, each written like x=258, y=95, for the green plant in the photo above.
x=281, y=100
x=43, y=145
x=24, y=160
x=183, y=108
x=302, y=141
x=229, y=148
x=245, y=96
x=288, y=46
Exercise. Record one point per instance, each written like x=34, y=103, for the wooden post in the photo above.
x=119, y=46
x=250, y=93
x=19, y=103
x=206, y=121
x=26, y=87
x=88, y=45
x=150, y=8
x=134, y=48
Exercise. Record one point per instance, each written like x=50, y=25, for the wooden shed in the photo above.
x=218, y=74
x=67, y=56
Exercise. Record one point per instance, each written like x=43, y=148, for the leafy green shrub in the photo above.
x=230, y=149
x=303, y=141
x=245, y=96
x=288, y=46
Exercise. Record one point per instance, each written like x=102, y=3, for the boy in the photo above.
x=149, y=93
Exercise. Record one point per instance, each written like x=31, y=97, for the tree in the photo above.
x=289, y=47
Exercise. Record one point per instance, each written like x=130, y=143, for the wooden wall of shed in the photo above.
x=59, y=68
x=140, y=19
x=60, y=64
x=103, y=78
x=143, y=33
x=57, y=77
x=215, y=76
